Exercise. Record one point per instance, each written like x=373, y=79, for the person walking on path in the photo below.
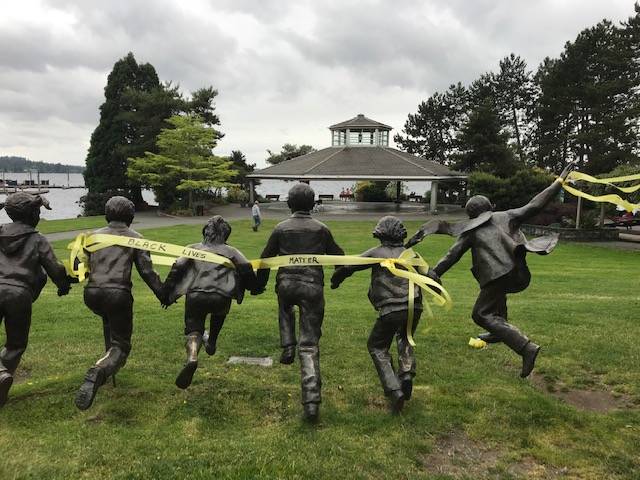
x=257, y=218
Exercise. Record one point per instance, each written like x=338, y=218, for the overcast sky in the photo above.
x=285, y=70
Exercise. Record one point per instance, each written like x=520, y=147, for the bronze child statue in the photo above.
x=389, y=295
x=26, y=258
x=108, y=294
x=209, y=287
x=499, y=251
x=302, y=286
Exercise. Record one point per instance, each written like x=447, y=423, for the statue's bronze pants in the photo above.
x=385, y=328
x=490, y=312
x=15, y=311
x=309, y=298
x=115, y=307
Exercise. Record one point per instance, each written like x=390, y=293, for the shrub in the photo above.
x=371, y=192
x=93, y=203
x=237, y=195
x=511, y=192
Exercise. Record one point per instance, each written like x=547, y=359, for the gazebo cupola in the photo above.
x=360, y=131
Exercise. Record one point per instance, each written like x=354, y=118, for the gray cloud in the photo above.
x=285, y=70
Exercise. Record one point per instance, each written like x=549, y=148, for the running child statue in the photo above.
x=301, y=286
x=499, y=250
x=210, y=288
x=389, y=295
x=108, y=295
x=26, y=258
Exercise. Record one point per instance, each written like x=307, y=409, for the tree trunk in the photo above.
x=517, y=132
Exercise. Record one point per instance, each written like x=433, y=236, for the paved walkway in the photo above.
x=279, y=211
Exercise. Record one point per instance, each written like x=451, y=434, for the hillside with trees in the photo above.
x=21, y=164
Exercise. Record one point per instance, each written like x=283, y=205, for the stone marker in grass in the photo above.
x=260, y=361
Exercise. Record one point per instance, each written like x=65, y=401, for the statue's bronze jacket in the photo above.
x=188, y=275
x=387, y=293
x=299, y=234
x=26, y=258
x=110, y=267
x=497, y=244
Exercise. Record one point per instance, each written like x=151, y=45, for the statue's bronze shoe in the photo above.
x=288, y=355
x=6, y=380
x=311, y=412
x=529, y=355
x=93, y=380
x=396, y=397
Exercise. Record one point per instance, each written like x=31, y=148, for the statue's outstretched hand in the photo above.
x=568, y=169
x=258, y=290
x=417, y=238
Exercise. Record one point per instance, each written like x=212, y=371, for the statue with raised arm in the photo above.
x=210, y=288
x=26, y=259
x=301, y=286
x=108, y=295
x=499, y=250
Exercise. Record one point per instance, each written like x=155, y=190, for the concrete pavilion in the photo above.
x=360, y=151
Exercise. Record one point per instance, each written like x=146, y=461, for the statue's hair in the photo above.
x=22, y=205
x=476, y=205
x=301, y=198
x=217, y=230
x=390, y=228
x=119, y=209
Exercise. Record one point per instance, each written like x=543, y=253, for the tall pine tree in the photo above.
x=106, y=171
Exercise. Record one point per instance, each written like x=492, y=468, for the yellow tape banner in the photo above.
x=609, y=198
x=163, y=253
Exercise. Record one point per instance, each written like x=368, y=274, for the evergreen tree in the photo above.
x=513, y=89
x=106, y=161
x=483, y=147
x=431, y=132
x=185, y=162
x=588, y=102
x=242, y=168
x=288, y=152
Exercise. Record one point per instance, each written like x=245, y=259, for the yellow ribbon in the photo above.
x=610, y=198
x=167, y=253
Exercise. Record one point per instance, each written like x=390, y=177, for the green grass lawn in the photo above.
x=69, y=224
x=470, y=411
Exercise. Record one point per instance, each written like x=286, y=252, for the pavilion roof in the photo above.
x=358, y=163
x=360, y=121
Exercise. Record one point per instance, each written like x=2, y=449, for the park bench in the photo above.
x=415, y=198
x=626, y=221
x=325, y=197
x=273, y=197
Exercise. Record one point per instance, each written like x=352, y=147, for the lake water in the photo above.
x=64, y=202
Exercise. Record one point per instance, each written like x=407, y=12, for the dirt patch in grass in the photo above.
x=458, y=456
x=600, y=401
x=22, y=375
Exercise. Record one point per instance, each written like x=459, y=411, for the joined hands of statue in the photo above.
x=62, y=291
x=258, y=291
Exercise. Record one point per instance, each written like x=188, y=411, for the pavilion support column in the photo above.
x=398, y=190
x=251, y=191
x=433, y=204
